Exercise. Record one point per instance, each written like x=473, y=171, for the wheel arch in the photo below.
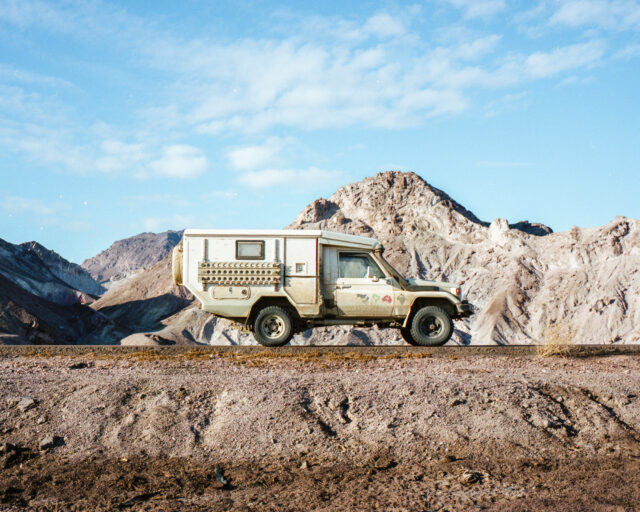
x=264, y=302
x=421, y=302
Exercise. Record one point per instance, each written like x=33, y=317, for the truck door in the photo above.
x=361, y=287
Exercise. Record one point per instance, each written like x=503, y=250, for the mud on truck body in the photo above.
x=279, y=283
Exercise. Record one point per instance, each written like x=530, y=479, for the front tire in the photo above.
x=273, y=327
x=406, y=336
x=431, y=327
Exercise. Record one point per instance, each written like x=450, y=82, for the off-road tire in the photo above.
x=406, y=336
x=273, y=326
x=431, y=327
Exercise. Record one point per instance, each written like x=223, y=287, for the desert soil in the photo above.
x=147, y=430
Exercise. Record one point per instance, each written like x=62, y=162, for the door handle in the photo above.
x=340, y=286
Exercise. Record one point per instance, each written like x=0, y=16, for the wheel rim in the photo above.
x=273, y=326
x=432, y=326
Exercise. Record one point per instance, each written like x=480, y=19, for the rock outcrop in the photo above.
x=72, y=274
x=528, y=283
x=45, y=274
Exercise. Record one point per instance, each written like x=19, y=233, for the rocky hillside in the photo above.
x=72, y=274
x=43, y=297
x=147, y=303
x=529, y=283
x=46, y=274
x=130, y=256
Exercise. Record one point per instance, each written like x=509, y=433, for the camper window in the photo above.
x=250, y=249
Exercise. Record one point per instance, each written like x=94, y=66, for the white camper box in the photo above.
x=221, y=270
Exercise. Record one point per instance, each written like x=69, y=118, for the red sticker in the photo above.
x=386, y=298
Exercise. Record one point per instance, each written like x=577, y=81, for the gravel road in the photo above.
x=346, y=429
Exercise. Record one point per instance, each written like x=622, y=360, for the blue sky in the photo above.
x=123, y=117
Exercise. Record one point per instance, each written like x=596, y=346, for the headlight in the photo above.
x=456, y=291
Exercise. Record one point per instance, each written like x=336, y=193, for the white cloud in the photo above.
x=628, y=52
x=438, y=102
x=542, y=65
x=177, y=221
x=252, y=157
x=380, y=26
x=167, y=200
x=336, y=84
x=220, y=194
x=384, y=25
x=291, y=178
x=119, y=156
x=17, y=75
x=46, y=146
x=447, y=75
x=180, y=161
x=478, y=8
x=15, y=205
x=477, y=48
x=607, y=14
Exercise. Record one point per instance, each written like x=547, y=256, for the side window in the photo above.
x=250, y=249
x=354, y=265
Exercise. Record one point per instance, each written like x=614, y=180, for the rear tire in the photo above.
x=431, y=327
x=406, y=336
x=273, y=327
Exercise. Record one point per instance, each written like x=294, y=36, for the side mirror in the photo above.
x=372, y=276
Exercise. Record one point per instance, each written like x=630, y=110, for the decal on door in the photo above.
x=374, y=298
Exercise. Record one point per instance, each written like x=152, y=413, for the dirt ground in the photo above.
x=349, y=431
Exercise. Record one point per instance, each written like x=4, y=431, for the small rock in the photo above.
x=78, y=366
x=458, y=401
x=469, y=477
x=47, y=442
x=41, y=420
x=26, y=403
x=50, y=441
x=220, y=476
x=304, y=465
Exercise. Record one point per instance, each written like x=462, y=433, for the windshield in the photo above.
x=392, y=270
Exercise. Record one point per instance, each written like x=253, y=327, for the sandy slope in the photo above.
x=320, y=433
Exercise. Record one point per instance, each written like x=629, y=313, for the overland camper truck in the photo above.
x=278, y=283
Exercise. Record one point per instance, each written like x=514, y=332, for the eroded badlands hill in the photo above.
x=130, y=256
x=527, y=281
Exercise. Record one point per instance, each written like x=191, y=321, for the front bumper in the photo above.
x=465, y=309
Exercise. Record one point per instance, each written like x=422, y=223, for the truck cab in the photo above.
x=277, y=283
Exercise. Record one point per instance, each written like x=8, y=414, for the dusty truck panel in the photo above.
x=285, y=281
x=300, y=269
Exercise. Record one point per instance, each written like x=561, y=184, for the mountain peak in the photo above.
x=391, y=201
x=130, y=256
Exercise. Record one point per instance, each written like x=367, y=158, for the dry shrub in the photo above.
x=558, y=340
